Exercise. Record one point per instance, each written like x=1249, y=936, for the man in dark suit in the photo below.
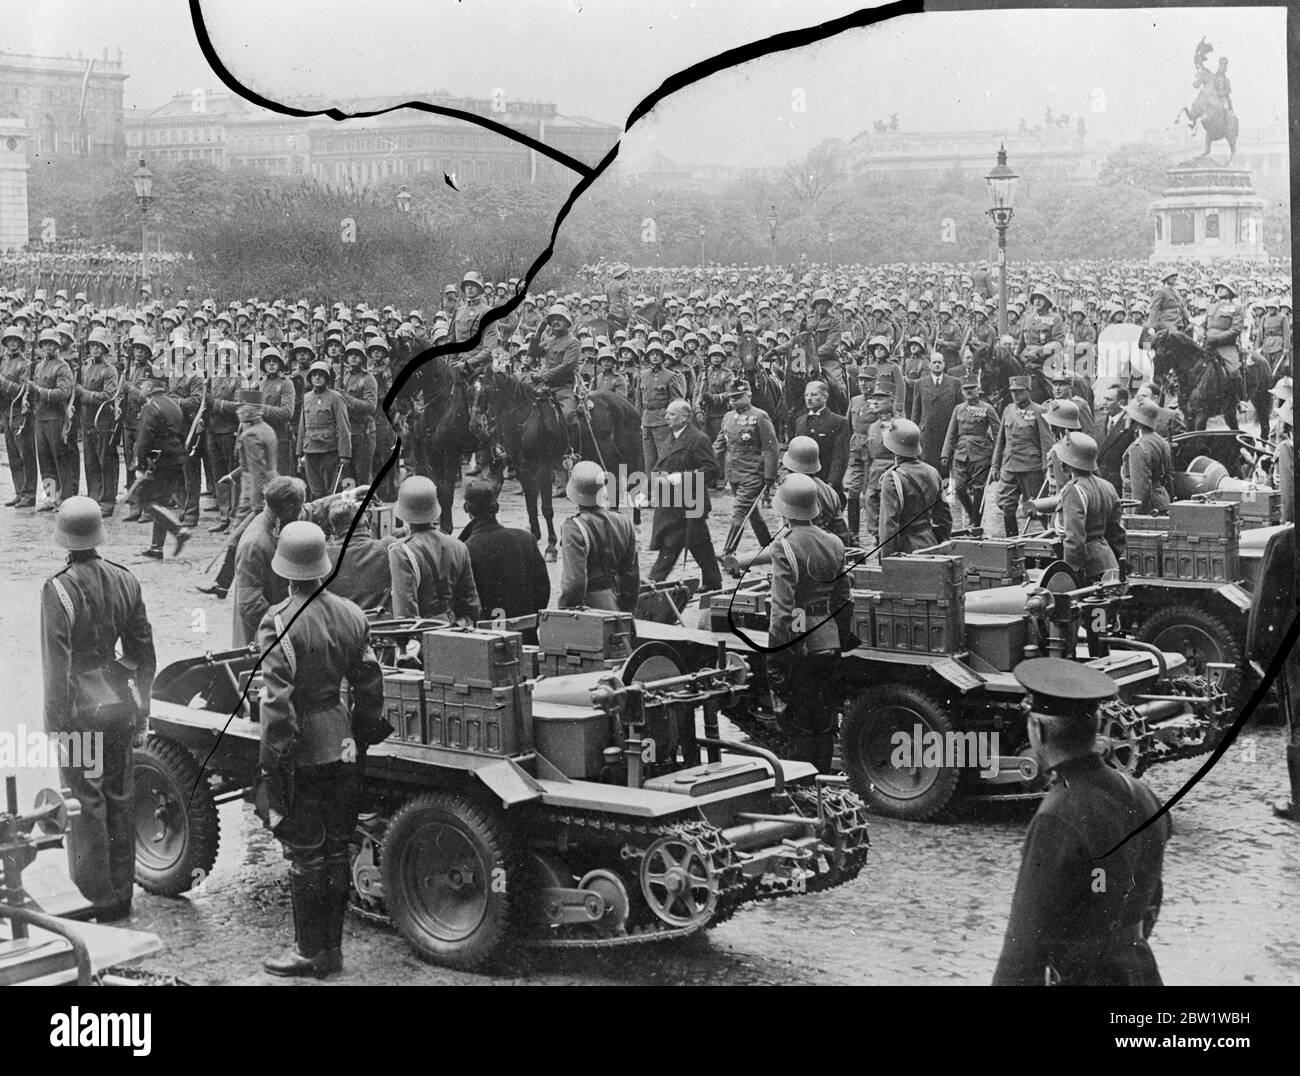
x=363, y=574
x=829, y=430
x=508, y=567
x=936, y=397
x=1114, y=434
x=686, y=467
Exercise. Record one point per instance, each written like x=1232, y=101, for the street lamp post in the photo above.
x=701, y=244
x=403, y=199
x=1002, y=189
x=830, y=242
x=142, y=178
x=771, y=230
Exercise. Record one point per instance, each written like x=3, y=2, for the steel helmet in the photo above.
x=1222, y=282
x=143, y=341
x=821, y=295
x=559, y=310
x=270, y=354
x=1168, y=274
x=471, y=278
x=1077, y=307
x=1283, y=390
x=99, y=336
x=375, y=342
x=1143, y=412
x=49, y=336
x=80, y=524
x=903, y=438
x=303, y=344
x=802, y=457
x=12, y=332
x=1062, y=415
x=796, y=497
x=300, y=553
x=417, y=500
x=878, y=341
x=587, y=485
x=1079, y=451
x=716, y=350
x=317, y=368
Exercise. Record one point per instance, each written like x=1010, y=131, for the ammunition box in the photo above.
x=1203, y=519
x=1200, y=558
x=748, y=609
x=1144, y=553
x=1146, y=523
x=864, y=615
x=983, y=580
x=567, y=664
x=472, y=656
x=998, y=638
x=572, y=740
x=920, y=625
x=1255, y=507
x=404, y=705
x=588, y=631
x=868, y=577
x=1039, y=551
x=922, y=576
x=530, y=662
x=495, y=721
x=990, y=556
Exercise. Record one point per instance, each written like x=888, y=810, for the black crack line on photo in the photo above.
x=785, y=41
x=849, y=564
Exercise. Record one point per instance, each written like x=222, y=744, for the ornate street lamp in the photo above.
x=142, y=179
x=701, y=244
x=403, y=199
x=1002, y=191
x=771, y=230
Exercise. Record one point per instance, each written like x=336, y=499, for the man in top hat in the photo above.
x=1019, y=453
x=683, y=474
x=324, y=432
x=811, y=621
x=1168, y=311
x=968, y=449
x=913, y=512
x=1147, y=467
x=1088, y=515
x=87, y=607
x=431, y=571
x=597, y=547
x=1089, y=887
x=749, y=441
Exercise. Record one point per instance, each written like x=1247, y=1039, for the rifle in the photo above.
x=24, y=399
x=195, y=437
x=71, y=413
x=115, y=433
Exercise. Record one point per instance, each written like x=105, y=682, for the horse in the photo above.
x=766, y=392
x=608, y=430
x=1202, y=383
x=995, y=380
x=439, y=425
x=1217, y=122
x=531, y=432
x=801, y=368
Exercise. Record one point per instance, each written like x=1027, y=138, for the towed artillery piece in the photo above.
x=931, y=711
x=592, y=808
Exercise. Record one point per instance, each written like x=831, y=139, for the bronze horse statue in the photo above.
x=1202, y=384
x=1216, y=120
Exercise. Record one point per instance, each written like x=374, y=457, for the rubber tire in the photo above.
x=178, y=770
x=484, y=829
x=1173, y=616
x=857, y=723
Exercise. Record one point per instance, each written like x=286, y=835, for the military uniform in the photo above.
x=95, y=398
x=1146, y=472
x=324, y=439
x=825, y=330
x=860, y=418
x=969, y=446
x=808, y=575
x=52, y=387
x=468, y=319
x=433, y=577
x=1168, y=311
x=86, y=608
x=190, y=394
x=360, y=393
x=612, y=381
x=1019, y=458
x=913, y=512
x=21, y=447
x=282, y=413
x=599, y=561
x=1092, y=527
x=656, y=390
x=257, y=453
x=559, y=358
x=220, y=435
x=1041, y=336
x=749, y=441
x=1223, y=325
x=162, y=430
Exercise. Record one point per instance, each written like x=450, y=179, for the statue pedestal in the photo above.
x=1208, y=212
x=13, y=184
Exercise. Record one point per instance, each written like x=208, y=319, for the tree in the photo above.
x=822, y=171
x=1137, y=164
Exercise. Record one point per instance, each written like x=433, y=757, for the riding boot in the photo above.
x=1010, y=524
x=309, y=956
x=855, y=515
x=339, y=873
x=1282, y=808
x=733, y=540
x=761, y=532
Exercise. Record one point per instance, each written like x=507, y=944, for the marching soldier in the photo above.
x=656, y=389
x=1147, y=468
x=95, y=394
x=312, y=746
x=1019, y=453
x=1088, y=515
x=16, y=405
x=968, y=449
x=811, y=619
x=324, y=432
x=51, y=388
x=913, y=512
x=86, y=609
x=221, y=431
x=749, y=441
x=360, y=394
x=1064, y=928
x=431, y=571
x=597, y=548
x=159, y=454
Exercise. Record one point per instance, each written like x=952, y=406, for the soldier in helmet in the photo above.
x=1019, y=453
x=313, y=743
x=95, y=391
x=324, y=432
x=1042, y=334
x=968, y=449
x=1147, y=467
x=1223, y=326
x=51, y=388
x=913, y=512
x=20, y=431
x=803, y=456
x=159, y=447
x=558, y=358
x=1088, y=516
x=1064, y=928
x=280, y=399
x=469, y=320
x=432, y=573
x=360, y=393
x=1168, y=311
x=887, y=368
x=657, y=387
x=811, y=620
x=616, y=294
x=597, y=547
x=86, y=609
x=824, y=326
x=1067, y=386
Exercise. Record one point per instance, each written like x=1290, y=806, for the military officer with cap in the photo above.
x=313, y=744
x=432, y=573
x=1147, y=468
x=1065, y=928
x=597, y=547
x=968, y=448
x=749, y=441
x=324, y=432
x=616, y=296
x=1088, y=516
x=1019, y=453
x=811, y=620
x=861, y=415
x=86, y=609
x=913, y=512
x=159, y=453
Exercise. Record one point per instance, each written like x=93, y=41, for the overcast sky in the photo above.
x=600, y=57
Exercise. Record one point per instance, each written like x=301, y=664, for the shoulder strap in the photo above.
x=64, y=599
x=898, y=484
x=412, y=560
x=289, y=655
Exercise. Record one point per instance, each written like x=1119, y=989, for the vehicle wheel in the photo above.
x=915, y=793
x=177, y=829
x=1117, y=739
x=445, y=868
x=1199, y=636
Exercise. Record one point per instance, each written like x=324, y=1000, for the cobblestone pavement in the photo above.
x=931, y=905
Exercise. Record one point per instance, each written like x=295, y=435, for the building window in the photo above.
x=1182, y=227
x=1211, y=225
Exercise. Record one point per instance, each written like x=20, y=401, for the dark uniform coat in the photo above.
x=1089, y=519
x=600, y=570
x=432, y=577
x=831, y=432
x=1147, y=474
x=689, y=453
x=364, y=577
x=509, y=571
x=913, y=511
x=749, y=441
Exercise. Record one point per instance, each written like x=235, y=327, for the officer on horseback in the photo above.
x=1223, y=325
x=1168, y=311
